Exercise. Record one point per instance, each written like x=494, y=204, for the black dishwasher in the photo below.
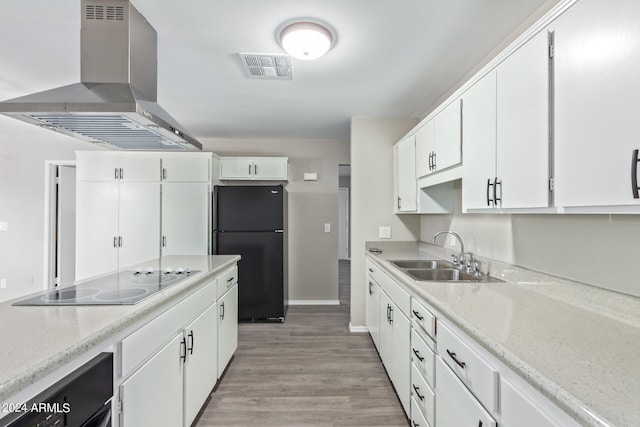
x=81, y=399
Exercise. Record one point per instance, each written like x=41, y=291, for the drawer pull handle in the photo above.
x=421, y=397
x=191, y=340
x=415, y=424
x=417, y=353
x=634, y=174
x=480, y=423
x=417, y=314
x=371, y=270
x=230, y=279
x=455, y=359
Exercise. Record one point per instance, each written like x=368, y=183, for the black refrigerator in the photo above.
x=252, y=221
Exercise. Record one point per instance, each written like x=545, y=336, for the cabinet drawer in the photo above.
x=423, y=357
x=417, y=417
x=422, y=318
x=469, y=366
x=455, y=406
x=143, y=343
x=518, y=410
x=227, y=279
x=422, y=395
x=373, y=270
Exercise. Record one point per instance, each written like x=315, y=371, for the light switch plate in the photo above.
x=384, y=232
x=310, y=176
x=327, y=228
x=4, y=226
x=3, y=283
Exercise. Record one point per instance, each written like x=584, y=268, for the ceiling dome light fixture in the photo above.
x=306, y=40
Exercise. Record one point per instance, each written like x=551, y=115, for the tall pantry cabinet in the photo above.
x=132, y=207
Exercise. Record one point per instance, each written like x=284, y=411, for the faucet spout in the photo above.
x=457, y=236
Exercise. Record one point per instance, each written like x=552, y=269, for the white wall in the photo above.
x=24, y=148
x=372, y=141
x=313, y=254
x=600, y=250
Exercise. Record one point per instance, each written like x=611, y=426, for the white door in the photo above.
x=597, y=96
x=66, y=225
x=153, y=395
x=270, y=168
x=405, y=164
x=401, y=357
x=479, y=133
x=96, y=228
x=425, y=146
x=236, y=167
x=523, y=125
x=139, y=222
x=227, y=328
x=185, y=218
x=178, y=167
x=386, y=333
x=201, y=369
x=343, y=223
x=448, y=136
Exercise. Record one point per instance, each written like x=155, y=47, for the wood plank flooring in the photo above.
x=309, y=371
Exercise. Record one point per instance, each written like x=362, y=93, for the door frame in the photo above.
x=50, y=224
x=343, y=222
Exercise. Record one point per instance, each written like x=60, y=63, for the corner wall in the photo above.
x=313, y=254
x=372, y=140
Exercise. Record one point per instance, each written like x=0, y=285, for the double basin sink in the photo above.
x=438, y=271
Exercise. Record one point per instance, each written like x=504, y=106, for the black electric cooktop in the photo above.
x=123, y=287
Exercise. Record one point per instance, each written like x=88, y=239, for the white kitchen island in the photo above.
x=42, y=344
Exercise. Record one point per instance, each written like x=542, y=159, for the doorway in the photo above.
x=60, y=224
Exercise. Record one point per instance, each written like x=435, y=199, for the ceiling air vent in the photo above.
x=267, y=66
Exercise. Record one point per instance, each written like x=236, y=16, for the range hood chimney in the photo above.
x=115, y=103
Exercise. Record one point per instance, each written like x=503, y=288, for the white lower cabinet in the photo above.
x=520, y=411
x=200, y=374
x=227, y=317
x=423, y=397
x=373, y=310
x=153, y=395
x=394, y=347
x=455, y=405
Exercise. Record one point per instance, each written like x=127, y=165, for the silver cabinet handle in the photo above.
x=115, y=241
x=255, y=169
x=115, y=171
x=249, y=168
x=121, y=174
x=119, y=241
x=164, y=173
x=222, y=311
x=191, y=339
x=164, y=241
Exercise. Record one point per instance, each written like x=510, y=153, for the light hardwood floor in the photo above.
x=309, y=371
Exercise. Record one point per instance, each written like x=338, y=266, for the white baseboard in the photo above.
x=357, y=329
x=314, y=302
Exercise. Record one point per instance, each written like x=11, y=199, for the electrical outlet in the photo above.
x=384, y=232
x=3, y=283
x=327, y=228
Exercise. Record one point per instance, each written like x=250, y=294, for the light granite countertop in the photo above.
x=37, y=340
x=577, y=344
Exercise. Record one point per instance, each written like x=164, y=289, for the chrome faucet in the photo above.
x=460, y=259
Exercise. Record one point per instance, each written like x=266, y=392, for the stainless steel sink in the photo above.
x=441, y=274
x=430, y=264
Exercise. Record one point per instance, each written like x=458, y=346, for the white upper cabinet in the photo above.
x=479, y=130
x=438, y=141
x=186, y=167
x=597, y=101
x=425, y=147
x=254, y=168
x=523, y=126
x=185, y=218
x=117, y=166
x=406, y=197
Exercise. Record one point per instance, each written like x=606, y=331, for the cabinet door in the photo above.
x=270, y=168
x=185, y=218
x=373, y=311
x=425, y=146
x=405, y=166
x=139, y=222
x=386, y=333
x=597, y=99
x=401, y=357
x=201, y=371
x=522, y=125
x=97, y=166
x=448, y=139
x=137, y=167
x=455, y=405
x=185, y=168
x=227, y=328
x=96, y=228
x=479, y=133
x=146, y=402
x=236, y=168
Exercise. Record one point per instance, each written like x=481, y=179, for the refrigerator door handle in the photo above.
x=279, y=231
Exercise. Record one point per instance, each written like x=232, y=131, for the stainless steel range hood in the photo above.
x=115, y=102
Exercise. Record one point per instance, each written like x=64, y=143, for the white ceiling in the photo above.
x=391, y=59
